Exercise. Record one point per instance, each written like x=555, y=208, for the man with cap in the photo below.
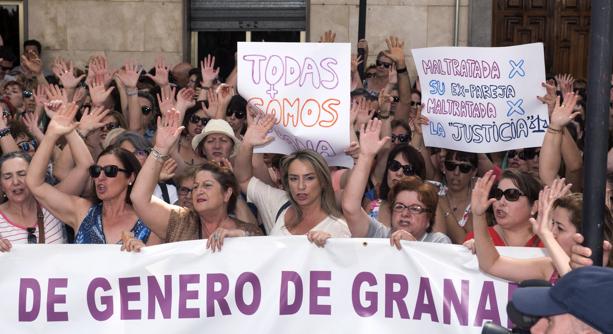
x=579, y=303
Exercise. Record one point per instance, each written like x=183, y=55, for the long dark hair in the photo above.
x=410, y=154
x=129, y=162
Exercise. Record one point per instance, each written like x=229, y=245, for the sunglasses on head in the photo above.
x=464, y=168
x=510, y=194
x=195, y=119
x=406, y=169
x=110, y=126
x=240, y=114
x=146, y=110
x=27, y=145
x=524, y=155
x=31, y=235
x=109, y=171
x=401, y=138
x=384, y=64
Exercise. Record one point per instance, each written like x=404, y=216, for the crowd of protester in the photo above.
x=136, y=157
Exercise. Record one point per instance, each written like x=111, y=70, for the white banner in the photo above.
x=306, y=86
x=483, y=99
x=254, y=285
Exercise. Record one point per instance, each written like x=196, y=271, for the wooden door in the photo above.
x=563, y=27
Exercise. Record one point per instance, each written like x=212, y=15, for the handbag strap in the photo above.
x=41, y=224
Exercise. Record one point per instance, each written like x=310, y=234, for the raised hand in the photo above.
x=565, y=81
x=40, y=95
x=213, y=100
x=395, y=50
x=353, y=150
x=63, y=120
x=97, y=91
x=364, y=112
x=355, y=62
x=385, y=102
x=56, y=94
x=30, y=120
x=580, y=255
x=479, y=199
x=92, y=119
x=168, y=131
x=169, y=167
x=400, y=235
x=208, y=71
x=166, y=99
x=564, y=113
x=418, y=121
x=161, y=72
x=79, y=95
x=257, y=132
x=185, y=99
x=327, y=37
x=318, y=238
x=129, y=74
x=31, y=62
x=224, y=94
x=98, y=71
x=370, y=143
x=550, y=97
x=363, y=44
x=65, y=72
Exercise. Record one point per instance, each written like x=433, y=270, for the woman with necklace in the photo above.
x=214, y=195
x=453, y=212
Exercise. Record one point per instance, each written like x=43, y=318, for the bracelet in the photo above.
x=159, y=156
x=4, y=131
x=131, y=92
x=554, y=131
x=401, y=70
x=384, y=117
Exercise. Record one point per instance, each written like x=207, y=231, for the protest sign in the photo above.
x=254, y=285
x=483, y=99
x=306, y=86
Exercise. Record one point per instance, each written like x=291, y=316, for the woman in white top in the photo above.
x=307, y=206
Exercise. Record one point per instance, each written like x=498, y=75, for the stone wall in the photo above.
x=420, y=23
x=122, y=30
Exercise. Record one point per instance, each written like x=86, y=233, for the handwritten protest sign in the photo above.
x=483, y=99
x=306, y=86
x=254, y=285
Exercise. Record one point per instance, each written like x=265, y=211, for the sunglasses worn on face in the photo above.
x=240, y=114
x=396, y=99
x=371, y=75
x=510, y=194
x=27, y=145
x=524, y=155
x=146, y=110
x=464, y=168
x=109, y=171
x=413, y=209
x=195, y=119
x=415, y=104
x=401, y=138
x=110, y=126
x=406, y=169
x=384, y=64
x=26, y=94
x=31, y=235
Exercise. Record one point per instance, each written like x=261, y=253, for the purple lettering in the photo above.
x=425, y=301
x=392, y=296
x=309, y=68
x=256, y=70
x=125, y=297
x=488, y=295
x=370, y=296
x=106, y=301
x=185, y=295
x=292, y=70
x=53, y=298
x=154, y=293
x=326, y=65
x=451, y=300
x=30, y=284
x=219, y=296
x=242, y=280
x=285, y=307
x=316, y=291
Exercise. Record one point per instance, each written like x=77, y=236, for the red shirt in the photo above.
x=498, y=241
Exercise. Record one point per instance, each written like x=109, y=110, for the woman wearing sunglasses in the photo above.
x=214, y=194
x=559, y=218
x=453, y=217
x=514, y=202
x=306, y=206
x=412, y=202
x=104, y=219
x=194, y=121
x=236, y=115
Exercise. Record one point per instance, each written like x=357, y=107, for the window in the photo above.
x=12, y=25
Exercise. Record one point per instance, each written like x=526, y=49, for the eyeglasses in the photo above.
x=524, y=155
x=384, y=64
x=413, y=209
x=184, y=191
x=464, y=168
x=401, y=138
x=396, y=99
x=109, y=171
x=141, y=153
x=510, y=194
x=406, y=169
x=31, y=235
x=240, y=114
x=371, y=75
x=195, y=120
x=415, y=103
x=27, y=145
x=146, y=110
x=110, y=126
x=26, y=94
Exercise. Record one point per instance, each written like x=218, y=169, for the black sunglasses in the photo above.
x=524, y=155
x=240, y=114
x=384, y=64
x=111, y=126
x=415, y=104
x=371, y=75
x=401, y=138
x=406, y=169
x=26, y=94
x=396, y=99
x=109, y=171
x=27, y=145
x=510, y=194
x=195, y=119
x=146, y=110
x=464, y=168
x=31, y=235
